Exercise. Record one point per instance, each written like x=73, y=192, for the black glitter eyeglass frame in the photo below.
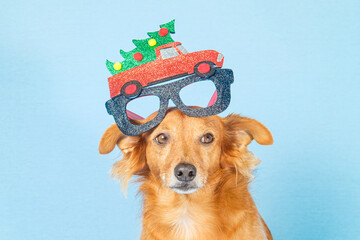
x=222, y=79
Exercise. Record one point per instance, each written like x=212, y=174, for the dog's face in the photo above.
x=184, y=152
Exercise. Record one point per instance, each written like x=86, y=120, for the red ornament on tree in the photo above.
x=138, y=56
x=163, y=32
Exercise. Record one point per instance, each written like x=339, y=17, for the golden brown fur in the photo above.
x=222, y=208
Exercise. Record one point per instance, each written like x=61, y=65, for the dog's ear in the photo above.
x=133, y=149
x=243, y=130
x=113, y=136
x=238, y=133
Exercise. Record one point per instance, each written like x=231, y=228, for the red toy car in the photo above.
x=172, y=61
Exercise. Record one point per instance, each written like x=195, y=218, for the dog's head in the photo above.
x=183, y=152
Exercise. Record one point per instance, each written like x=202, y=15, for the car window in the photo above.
x=168, y=52
x=182, y=49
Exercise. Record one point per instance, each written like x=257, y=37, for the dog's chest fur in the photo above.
x=180, y=219
x=183, y=224
x=190, y=221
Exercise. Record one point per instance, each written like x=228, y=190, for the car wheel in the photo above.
x=131, y=88
x=205, y=69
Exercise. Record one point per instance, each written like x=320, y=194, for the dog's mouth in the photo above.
x=185, y=188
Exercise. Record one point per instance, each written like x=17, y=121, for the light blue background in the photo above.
x=297, y=67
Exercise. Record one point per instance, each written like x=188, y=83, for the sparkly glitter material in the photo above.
x=222, y=78
x=143, y=47
x=166, y=66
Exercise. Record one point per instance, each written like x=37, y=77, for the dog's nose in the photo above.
x=185, y=172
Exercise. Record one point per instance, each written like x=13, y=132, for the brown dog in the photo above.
x=195, y=174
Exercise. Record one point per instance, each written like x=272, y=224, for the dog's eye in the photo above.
x=161, y=139
x=207, y=138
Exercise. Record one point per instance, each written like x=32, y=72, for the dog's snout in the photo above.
x=185, y=172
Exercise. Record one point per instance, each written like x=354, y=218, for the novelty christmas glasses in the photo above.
x=146, y=72
x=117, y=106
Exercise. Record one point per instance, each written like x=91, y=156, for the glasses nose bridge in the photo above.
x=174, y=98
x=174, y=95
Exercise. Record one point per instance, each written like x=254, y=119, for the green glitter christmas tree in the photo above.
x=145, y=49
